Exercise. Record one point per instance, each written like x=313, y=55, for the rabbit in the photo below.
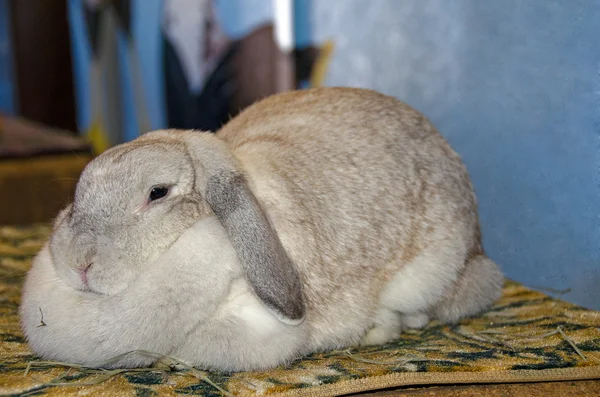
x=314, y=220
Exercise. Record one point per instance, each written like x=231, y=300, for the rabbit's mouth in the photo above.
x=83, y=274
x=83, y=281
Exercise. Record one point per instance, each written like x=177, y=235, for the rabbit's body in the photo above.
x=387, y=204
x=374, y=211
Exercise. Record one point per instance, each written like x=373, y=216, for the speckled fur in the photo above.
x=359, y=187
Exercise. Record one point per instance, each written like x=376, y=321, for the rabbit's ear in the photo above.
x=264, y=261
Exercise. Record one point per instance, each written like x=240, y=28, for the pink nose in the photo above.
x=83, y=273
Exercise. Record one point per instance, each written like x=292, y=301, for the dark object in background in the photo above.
x=256, y=68
x=246, y=73
x=304, y=60
x=206, y=111
x=42, y=60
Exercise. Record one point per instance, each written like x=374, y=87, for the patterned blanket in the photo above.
x=526, y=336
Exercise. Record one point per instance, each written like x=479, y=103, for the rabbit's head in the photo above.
x=135, y=200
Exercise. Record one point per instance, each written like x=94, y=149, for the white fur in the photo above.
x=420, y=284
x=387, y=327
x=183, y=305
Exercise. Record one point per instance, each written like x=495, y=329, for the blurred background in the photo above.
x=513, y=85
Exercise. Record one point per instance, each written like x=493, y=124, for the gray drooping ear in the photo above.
x=264, y=261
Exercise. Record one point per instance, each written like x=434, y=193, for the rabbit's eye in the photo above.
x=158, y=192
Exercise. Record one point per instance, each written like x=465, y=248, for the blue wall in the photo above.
x=515, y=87
x=146, y=30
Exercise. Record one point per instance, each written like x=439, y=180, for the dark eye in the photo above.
x=158, y=192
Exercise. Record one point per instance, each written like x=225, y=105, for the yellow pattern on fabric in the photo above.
x=526, y=336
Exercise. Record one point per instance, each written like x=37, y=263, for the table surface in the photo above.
x=22, y=138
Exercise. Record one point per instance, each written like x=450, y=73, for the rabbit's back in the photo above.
x=358, y=185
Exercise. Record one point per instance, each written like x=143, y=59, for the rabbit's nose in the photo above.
x=84, y=256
